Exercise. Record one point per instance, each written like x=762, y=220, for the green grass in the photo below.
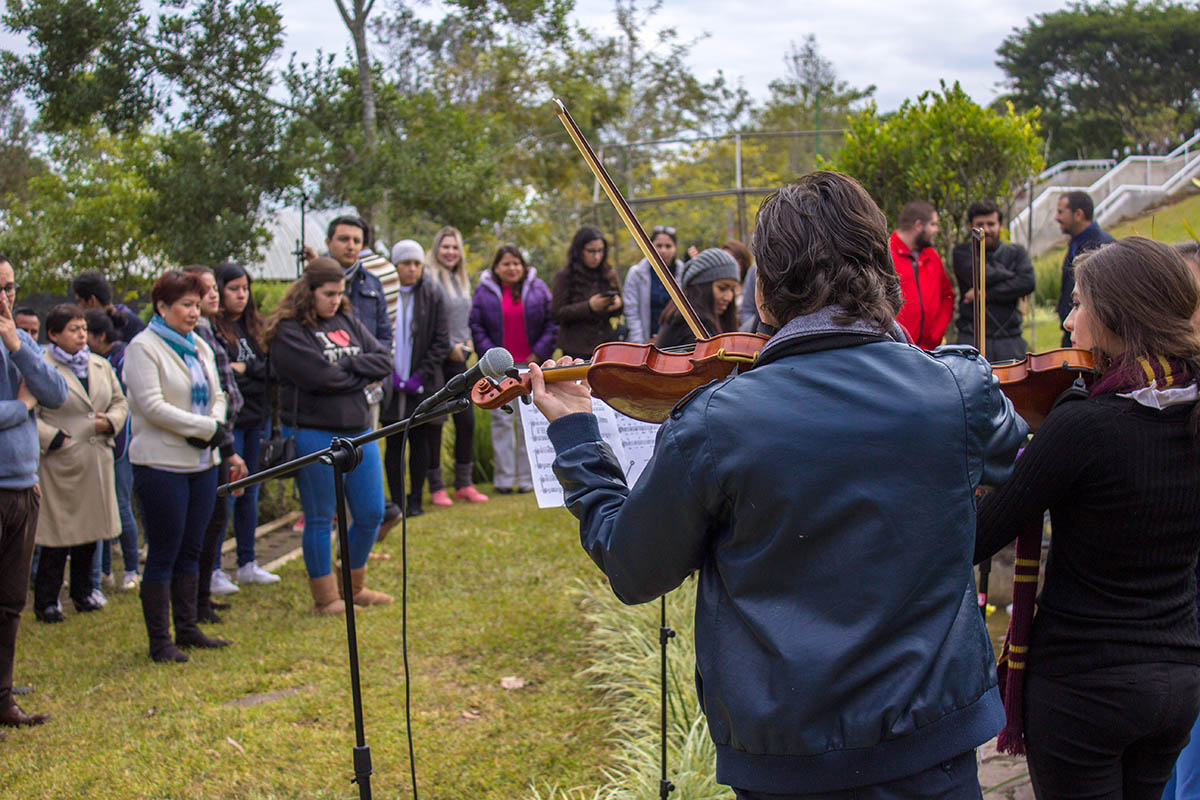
x=493, y=592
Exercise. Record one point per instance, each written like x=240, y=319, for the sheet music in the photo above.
x=541, y=452
x=631, y=440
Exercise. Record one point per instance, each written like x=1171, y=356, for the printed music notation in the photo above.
x=631, y=440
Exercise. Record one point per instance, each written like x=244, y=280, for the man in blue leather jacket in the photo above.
x=826, y=497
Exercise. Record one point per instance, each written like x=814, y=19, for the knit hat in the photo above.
x=407, y=250
x=714, y=264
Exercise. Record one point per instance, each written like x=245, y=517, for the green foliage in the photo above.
x=17, y=160
x=945, y=148
x=1107, y=74
x=86, y=212
x=199, y=73
x=624, y=652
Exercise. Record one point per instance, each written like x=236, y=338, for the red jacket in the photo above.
x=928, y=295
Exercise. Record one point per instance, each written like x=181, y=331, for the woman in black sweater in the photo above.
x=1113, y=662
x=325, y=359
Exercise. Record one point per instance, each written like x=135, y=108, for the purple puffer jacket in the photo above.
x=487, y=317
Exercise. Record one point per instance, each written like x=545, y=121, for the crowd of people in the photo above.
x=161, y=409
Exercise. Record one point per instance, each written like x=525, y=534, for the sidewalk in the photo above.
x=1003, y=776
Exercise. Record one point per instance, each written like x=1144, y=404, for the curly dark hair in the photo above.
x=820, y=241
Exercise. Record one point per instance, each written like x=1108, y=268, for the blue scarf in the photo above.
x=185, y=348
x=77, y=362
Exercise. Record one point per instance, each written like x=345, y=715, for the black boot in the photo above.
x=183, y=607
x=156, y=609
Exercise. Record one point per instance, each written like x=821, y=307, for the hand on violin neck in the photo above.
x=559, y=399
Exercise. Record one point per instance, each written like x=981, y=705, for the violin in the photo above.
x=1036, y=381
x=638, y=380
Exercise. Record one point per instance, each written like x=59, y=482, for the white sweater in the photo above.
x=159, y=388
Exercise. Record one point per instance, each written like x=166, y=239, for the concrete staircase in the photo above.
x=1119, y=189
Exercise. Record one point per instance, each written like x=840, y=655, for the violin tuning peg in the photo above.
x=526, y=399
x=513, y=373
x=506, y=408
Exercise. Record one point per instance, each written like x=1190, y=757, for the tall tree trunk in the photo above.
x=357, y=24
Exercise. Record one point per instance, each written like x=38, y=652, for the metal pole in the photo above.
x=1033, y=302
x=741, y=198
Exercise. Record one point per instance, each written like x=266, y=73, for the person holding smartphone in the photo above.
x=586, y=296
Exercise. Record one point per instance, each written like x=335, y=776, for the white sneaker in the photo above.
x=98, y=597
x=130, y=581
x=253, y=573
x=221, y=584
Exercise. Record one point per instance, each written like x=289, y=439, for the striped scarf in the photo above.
x=185, y=348
x=1126, y=376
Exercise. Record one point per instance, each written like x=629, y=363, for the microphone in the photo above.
x=492, y=364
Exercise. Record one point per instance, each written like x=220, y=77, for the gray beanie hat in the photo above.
x=714, y=264
x=407, y=250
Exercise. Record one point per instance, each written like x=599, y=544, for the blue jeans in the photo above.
x=123, y=472
x=176, y=508
x=364, y=497
x=245, y=508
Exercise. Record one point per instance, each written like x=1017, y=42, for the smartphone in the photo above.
x=608, y=293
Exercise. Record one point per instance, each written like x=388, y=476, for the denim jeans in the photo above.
x=364, y=497
x=123, y=472
x=176, y=507
x=244, y=509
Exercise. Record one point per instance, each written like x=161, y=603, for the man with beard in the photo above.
x=928, y=295
x=1009, y=277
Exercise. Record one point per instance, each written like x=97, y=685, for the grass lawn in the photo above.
x=493, y=592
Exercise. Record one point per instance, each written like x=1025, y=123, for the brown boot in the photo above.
x=364, y=596
x=325, y=595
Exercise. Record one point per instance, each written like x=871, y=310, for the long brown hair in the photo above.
x=1141, y=291
x=298, y=302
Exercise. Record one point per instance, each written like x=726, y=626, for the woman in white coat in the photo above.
x=178, y=412
x=79, y=501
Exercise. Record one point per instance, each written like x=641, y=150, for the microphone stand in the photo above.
x=344, y=455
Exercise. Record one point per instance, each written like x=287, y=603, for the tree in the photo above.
x=17, y=160
x=200, y=72
x=88, y=211
x=1107, y=75
x=944, y=148
x=808, y=97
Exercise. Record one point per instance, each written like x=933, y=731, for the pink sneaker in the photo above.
x=470, y=494
x=440, y=498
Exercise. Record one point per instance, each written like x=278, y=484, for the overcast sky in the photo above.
x=901, y=48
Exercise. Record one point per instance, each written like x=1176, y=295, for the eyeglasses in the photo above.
x=667, y=229
x=9, y=288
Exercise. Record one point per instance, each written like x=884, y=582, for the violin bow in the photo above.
x=631, y=222
x=979, y=282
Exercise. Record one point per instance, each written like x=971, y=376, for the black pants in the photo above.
x=1109, y=733
x=956, y=779
x=421, y=440
x=464, y=436
x=50, y=574
x=18, y=526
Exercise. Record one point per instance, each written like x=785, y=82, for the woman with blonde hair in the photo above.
x=445, y=262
